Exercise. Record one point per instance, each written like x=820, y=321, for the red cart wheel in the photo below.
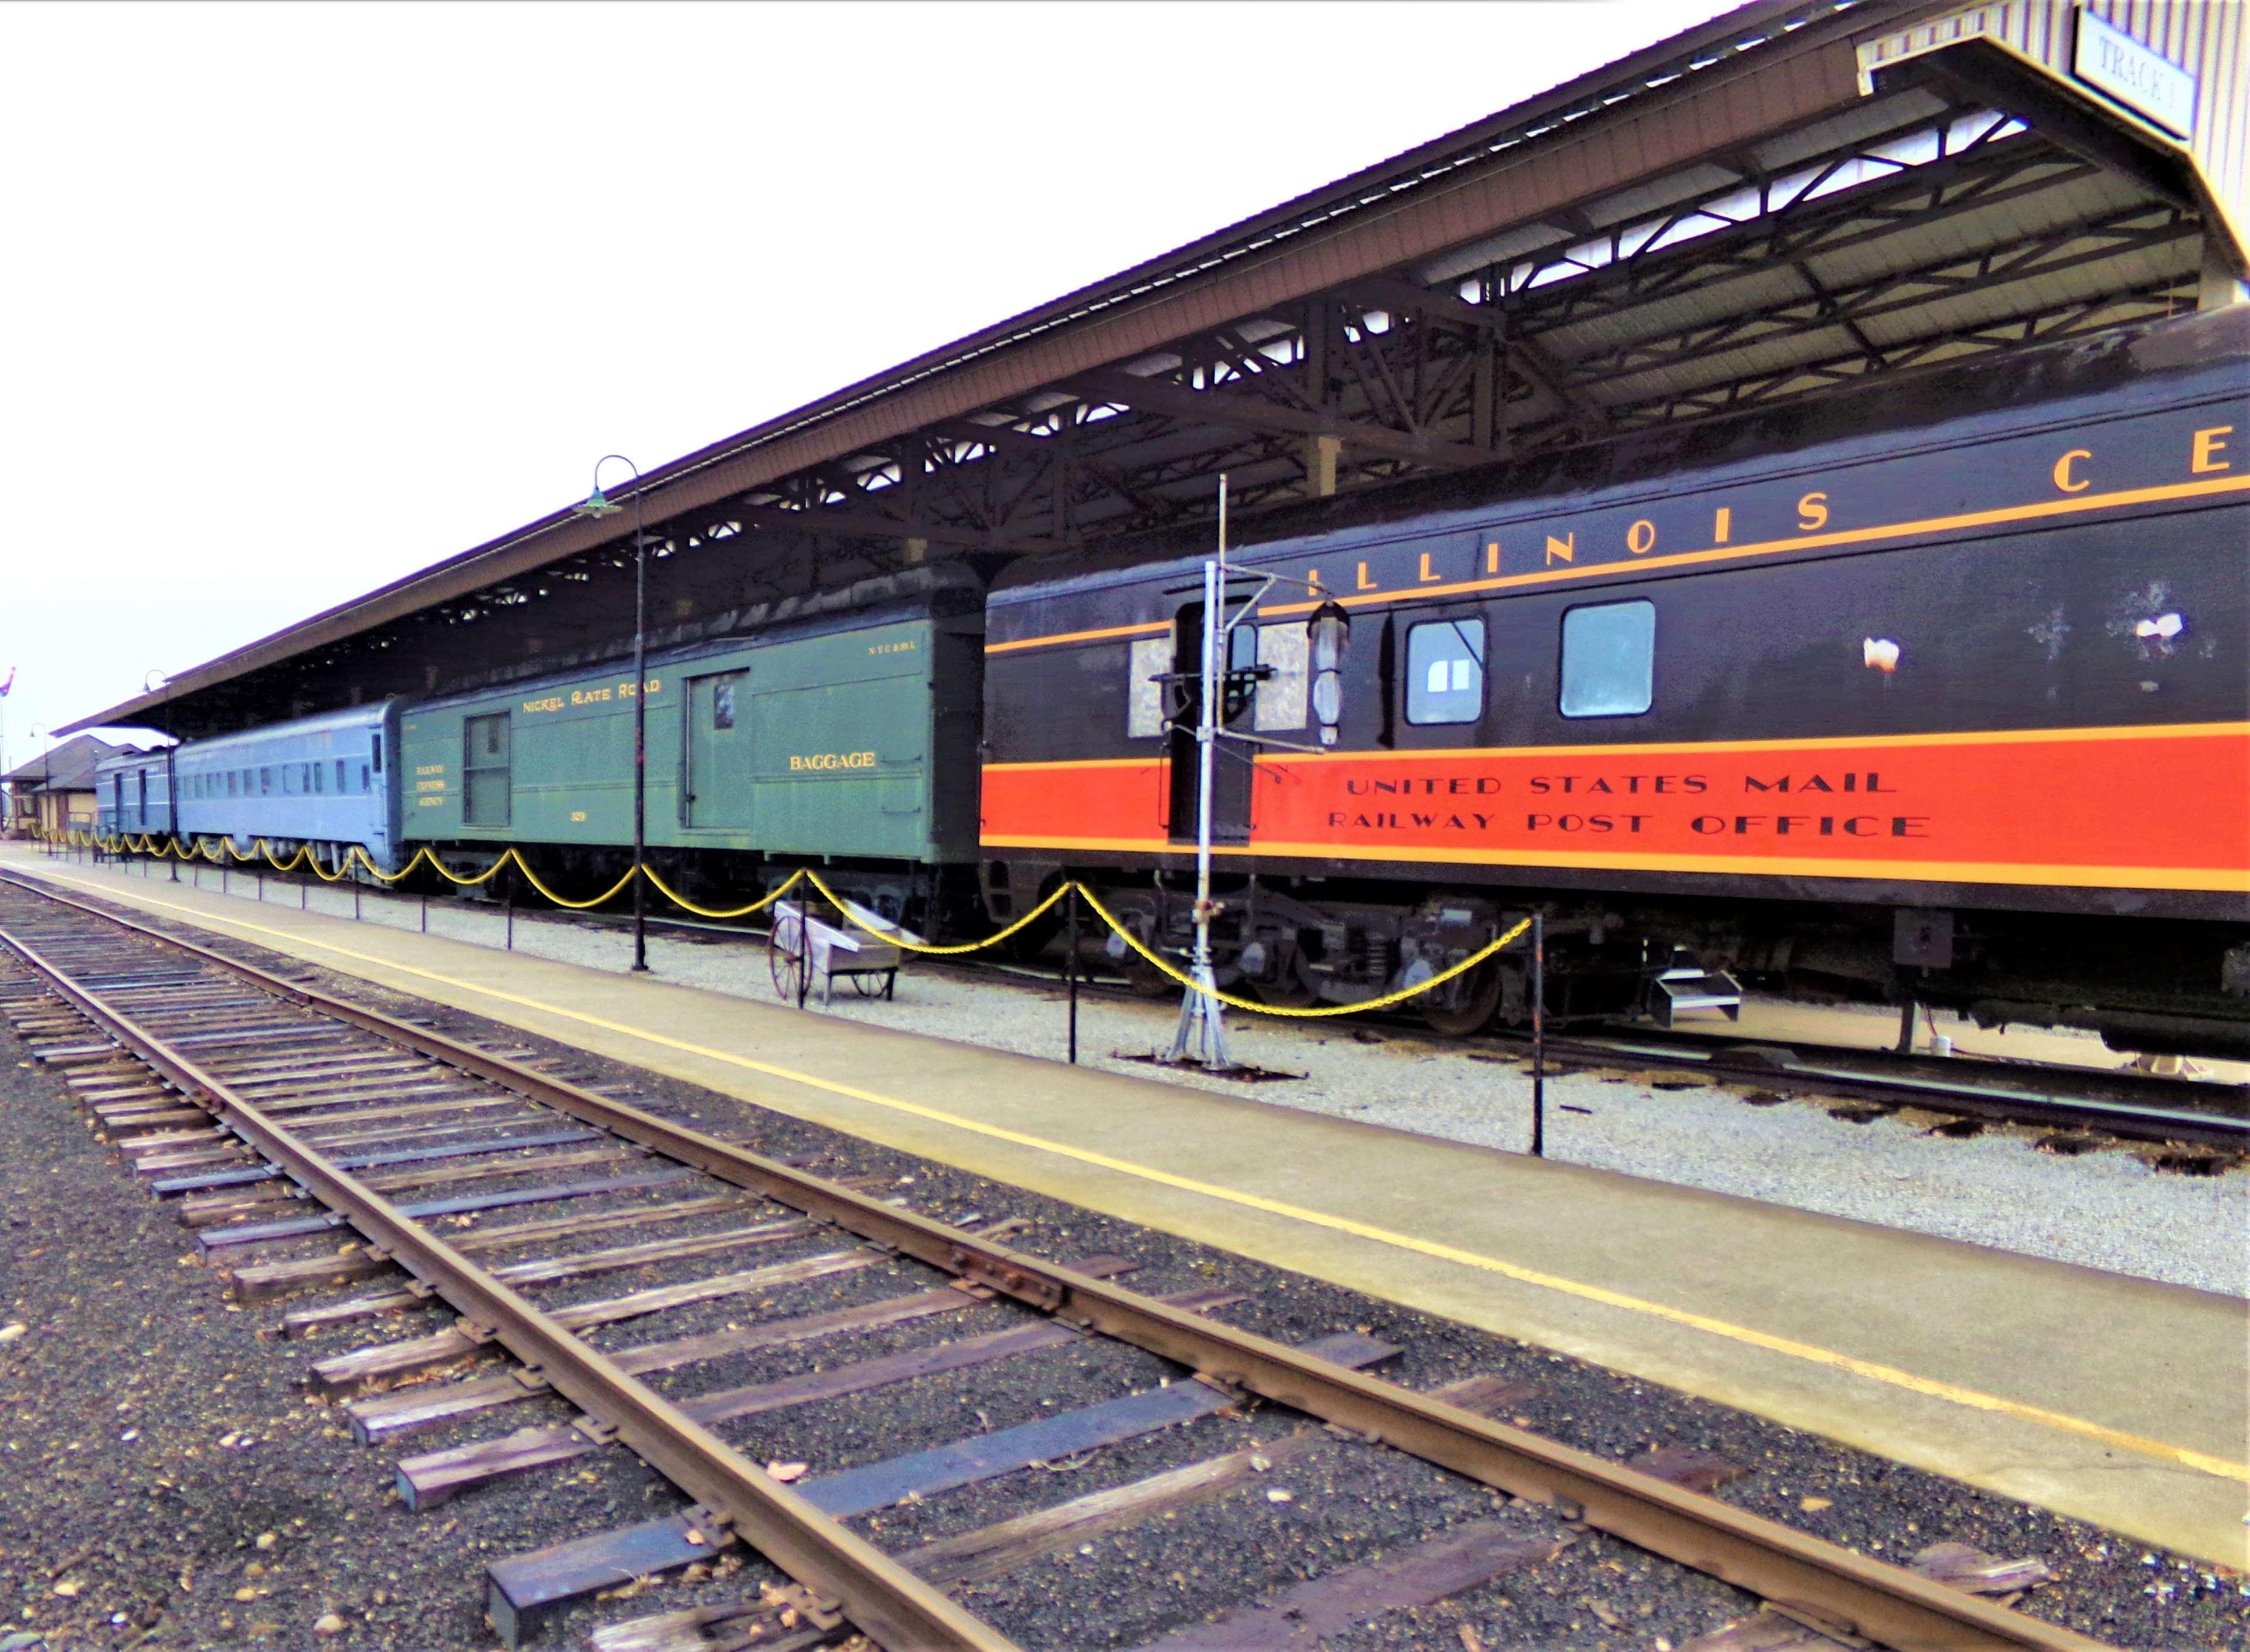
x=789, y=959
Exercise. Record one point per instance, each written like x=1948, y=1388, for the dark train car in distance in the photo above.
x=1972, y=659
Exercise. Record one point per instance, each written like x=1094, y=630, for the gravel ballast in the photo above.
x=131, y=1508
x=1347, y=1503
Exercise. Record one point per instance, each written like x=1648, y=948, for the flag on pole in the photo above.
x=7, y=682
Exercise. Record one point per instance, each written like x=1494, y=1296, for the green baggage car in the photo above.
x=844, y=740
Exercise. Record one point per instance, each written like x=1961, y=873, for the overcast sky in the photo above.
x=299, y=298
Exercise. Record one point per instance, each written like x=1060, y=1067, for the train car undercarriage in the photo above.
x=2147, y=985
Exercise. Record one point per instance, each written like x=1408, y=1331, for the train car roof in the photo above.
x=364, y=716
x=938, y=591
x=127, y=761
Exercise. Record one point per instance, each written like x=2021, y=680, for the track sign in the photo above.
x=2139, y=77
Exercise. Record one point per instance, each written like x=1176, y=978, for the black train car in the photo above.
x=1935, y=689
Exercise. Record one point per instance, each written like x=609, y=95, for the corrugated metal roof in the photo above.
x=1661, y=158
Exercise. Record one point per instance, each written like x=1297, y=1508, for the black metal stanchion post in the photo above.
x=1070, y=974
x=508, y=894
x=261, y=885
x=1906, y=1027
x=355, y=900
x=222, y=877
x=425, y=912
x=1538, y=1036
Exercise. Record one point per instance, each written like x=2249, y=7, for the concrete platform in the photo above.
x=2113, y=1400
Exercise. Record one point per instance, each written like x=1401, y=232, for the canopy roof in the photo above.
x=1792, y=200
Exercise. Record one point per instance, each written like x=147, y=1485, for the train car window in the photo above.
x=232, y=780
x=484, y=787
x=340, y=777
x=1445, y=672
x=362, y=777
x=1241, y=656
x=266, y=782
x=1283, y=649
x=320, y=778
x=1609, y=660
x=722, y=700
x=378, y=754
x=1148, y=660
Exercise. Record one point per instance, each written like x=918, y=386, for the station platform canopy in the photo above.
x=1788, y=200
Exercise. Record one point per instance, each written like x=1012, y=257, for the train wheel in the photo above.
x=789, y=959
x=1144, y=980
x=1291, y=991
x=1029, y=944
x=1468, y=1008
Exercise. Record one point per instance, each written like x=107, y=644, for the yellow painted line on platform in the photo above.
x=1972, y=1398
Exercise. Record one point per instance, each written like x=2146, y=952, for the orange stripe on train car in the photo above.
x=2161, y=809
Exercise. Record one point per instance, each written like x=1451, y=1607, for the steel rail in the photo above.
x=1997, y=1093
x=1829, y=1587
x=2206, y=1113
x=875, y=1592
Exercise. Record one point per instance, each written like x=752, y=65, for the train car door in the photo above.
x=487, y=770
x=1231, y=767
x=718, y=793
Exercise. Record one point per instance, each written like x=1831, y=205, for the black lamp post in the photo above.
x=149, y=679
x=598, y=505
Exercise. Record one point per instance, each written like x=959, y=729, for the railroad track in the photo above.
x=278, y=1116
x=2138, y=1107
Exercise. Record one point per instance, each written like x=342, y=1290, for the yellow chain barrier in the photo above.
x=304, y=854
x=1256, y=1008
x=758, y=905
x=896, y=940
x=575, y=905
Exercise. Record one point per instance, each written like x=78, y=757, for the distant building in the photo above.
x=54, y=792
